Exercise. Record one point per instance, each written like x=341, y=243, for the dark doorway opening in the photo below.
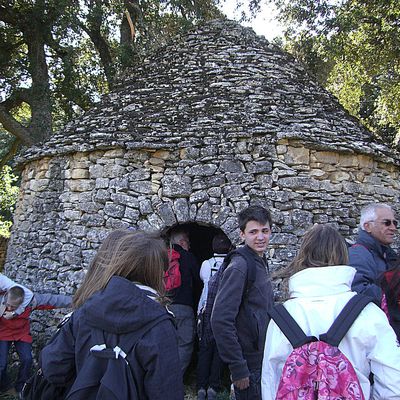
x=201, y=237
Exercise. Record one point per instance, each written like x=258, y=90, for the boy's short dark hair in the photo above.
x=15, y=294
x=254, y=213
x=221, y=243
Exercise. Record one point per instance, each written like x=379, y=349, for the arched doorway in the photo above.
x=201, y=236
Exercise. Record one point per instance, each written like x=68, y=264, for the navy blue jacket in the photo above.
x=239, y=320
x=120, y=309
x=189, y=292
x=370, y=258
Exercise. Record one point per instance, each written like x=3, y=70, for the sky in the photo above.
x=265, y=24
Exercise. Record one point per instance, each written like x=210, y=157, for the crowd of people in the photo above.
x=129, y=338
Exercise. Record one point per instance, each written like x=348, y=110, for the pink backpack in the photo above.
x=172, y=276
x=316, y=368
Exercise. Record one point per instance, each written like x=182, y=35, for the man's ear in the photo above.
x=367, y=226
x=242, y=235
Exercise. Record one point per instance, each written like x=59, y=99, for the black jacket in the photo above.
x=189, y=292
x=239, y=320
x=120, y=309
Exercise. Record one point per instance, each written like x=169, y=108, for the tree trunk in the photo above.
x=40, y=100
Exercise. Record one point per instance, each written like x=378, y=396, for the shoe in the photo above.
x=11, y=392
x=211, y=394
x=201, y=394
x=232, y=394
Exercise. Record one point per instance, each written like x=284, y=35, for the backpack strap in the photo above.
x=289, y=327
x=251, y=269
x=120, y=345
x=345, y=319
x=214, y=267
x=106, y=349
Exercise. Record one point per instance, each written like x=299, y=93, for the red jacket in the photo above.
x=18, y=328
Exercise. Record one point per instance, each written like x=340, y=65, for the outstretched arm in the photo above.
x=43, y=301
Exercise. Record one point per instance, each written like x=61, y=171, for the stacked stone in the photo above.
x=3, y=251
x=216, y=121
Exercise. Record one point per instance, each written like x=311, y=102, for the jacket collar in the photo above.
x=321, y=281
x=366, y=239
x=263, y=257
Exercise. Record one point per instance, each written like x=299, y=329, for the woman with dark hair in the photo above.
x=319, y=288
x=122, y=297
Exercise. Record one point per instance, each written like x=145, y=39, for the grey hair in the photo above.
x=177, y=235
x=368, y=213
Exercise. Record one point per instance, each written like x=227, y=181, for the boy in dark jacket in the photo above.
x=239, y=316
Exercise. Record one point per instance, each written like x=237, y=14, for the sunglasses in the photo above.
x=388, y=222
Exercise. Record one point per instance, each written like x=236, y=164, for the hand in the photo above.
x=242, y=384
x=8, y=315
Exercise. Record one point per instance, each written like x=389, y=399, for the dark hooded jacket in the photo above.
x=239, y=320
x=189, y=292
x=371, y=259
x=123, y=309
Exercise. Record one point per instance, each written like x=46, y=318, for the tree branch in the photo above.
x=10, y=153
x=17, y=97
x=103, y=48
x=8, y=15
x=11, y=125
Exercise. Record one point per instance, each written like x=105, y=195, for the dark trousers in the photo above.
x=209, y=366
x=253, y=392
x=185, y=327
x=24, y=351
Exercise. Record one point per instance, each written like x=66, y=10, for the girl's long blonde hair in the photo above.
x=135, y=255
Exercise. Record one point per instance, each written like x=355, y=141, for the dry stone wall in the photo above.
x=217, y=120
x=68, y=204
x=3, y=251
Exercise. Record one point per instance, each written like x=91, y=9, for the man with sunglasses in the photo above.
x=371, y=255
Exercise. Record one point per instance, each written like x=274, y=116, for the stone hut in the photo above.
x=215, y=121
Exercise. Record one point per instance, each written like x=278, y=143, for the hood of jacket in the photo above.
x=122, y=307
x=321, y=281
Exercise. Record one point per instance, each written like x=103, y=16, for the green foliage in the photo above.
x=58, y=57
x=353, y=48
x=8, y=198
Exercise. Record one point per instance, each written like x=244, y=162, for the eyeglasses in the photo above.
x=388, y=222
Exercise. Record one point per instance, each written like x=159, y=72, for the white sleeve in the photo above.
x=205, y=271
x=276, y=350
x=384, y=357
x=7, y=283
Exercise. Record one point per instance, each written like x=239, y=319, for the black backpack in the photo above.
x=204, y=330
x=37, y=387
x=106, y=373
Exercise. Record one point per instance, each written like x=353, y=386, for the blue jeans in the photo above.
x=24, y=351
x=185, y=326
x=253, y=392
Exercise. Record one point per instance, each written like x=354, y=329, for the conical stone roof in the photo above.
x=217, y=82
